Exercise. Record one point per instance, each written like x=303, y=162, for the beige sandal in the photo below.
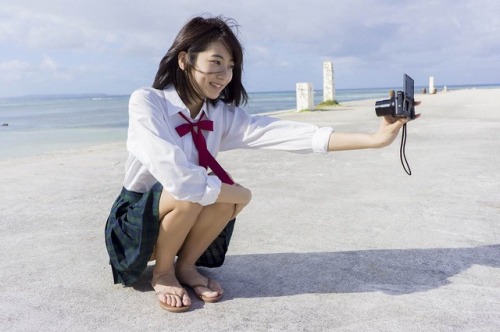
x=203, y=298
x=172, y=308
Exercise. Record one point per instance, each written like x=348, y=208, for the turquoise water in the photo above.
x=38, y=124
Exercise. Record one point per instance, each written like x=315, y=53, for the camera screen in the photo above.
x=408, y=86
x=408, y=103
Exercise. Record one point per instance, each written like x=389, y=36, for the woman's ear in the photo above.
x=182, y=59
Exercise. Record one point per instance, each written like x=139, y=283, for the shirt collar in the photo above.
x=175, y=100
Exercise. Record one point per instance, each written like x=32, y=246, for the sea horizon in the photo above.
x=114, y=95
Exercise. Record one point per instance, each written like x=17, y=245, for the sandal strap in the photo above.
x=209, y=283
x=183, y=292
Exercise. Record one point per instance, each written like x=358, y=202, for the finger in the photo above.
x=400, y=123
x=235, y=212
x=415, y=117
x=389, y=119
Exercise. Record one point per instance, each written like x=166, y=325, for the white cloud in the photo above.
x=48, y=64
x=14, y=70
x=43, y=72
x=284, y=40
x=36, y=31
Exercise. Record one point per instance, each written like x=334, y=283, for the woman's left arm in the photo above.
x=354, y=141
x=386, y=134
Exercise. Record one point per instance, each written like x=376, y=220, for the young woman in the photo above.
x=171, y=208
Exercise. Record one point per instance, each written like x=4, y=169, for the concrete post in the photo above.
x=305, y=97
x=432, y=89
x=328, y=81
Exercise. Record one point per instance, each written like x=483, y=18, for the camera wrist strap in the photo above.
x=402, y=151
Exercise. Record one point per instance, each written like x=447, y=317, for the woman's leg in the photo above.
x=177, y=218
x=211, y=221
x=187, y=229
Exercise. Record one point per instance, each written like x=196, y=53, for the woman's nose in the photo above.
x=224, y=73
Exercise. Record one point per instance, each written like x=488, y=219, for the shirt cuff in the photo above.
x=212, y=190
x=320, y=139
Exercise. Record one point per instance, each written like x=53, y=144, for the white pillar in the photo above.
x=432, y=89
x=328, y=81
x=305, y=97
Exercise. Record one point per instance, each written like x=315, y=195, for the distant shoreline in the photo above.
x=106, y=95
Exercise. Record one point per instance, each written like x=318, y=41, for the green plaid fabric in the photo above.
x=132, y=229
x=131, y=232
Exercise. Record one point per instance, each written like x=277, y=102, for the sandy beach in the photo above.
x=345, y=241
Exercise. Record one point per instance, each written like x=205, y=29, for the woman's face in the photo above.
x=213, y=70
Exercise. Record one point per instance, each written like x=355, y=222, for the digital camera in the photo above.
x=401, y=104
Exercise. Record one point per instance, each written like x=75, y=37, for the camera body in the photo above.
x=401, y=105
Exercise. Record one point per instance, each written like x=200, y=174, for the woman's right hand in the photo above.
x=234, y=193
x=237, y=209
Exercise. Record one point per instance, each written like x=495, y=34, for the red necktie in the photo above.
x=205, y=159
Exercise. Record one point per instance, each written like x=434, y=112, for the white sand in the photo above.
x=343, y=241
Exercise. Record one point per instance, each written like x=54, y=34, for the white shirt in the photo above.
x=158, y=154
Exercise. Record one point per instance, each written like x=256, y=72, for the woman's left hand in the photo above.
x=389, y=129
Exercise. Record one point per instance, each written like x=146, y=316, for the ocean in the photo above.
x=32, y=125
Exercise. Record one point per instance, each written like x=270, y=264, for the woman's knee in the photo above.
x=169, y=204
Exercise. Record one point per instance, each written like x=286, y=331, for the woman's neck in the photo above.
x=195, y=108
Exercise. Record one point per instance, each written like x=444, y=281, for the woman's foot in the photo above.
x=171, y=295
x=204, y=288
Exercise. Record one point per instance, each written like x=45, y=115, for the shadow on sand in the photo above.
x=394, y=272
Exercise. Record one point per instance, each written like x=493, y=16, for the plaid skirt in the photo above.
x=132, y=229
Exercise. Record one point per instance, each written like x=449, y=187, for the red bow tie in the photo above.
x=185, y=128
x=205, y=159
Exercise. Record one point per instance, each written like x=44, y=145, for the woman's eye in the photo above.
x=217, y=62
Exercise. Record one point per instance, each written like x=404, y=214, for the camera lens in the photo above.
x=385, y=107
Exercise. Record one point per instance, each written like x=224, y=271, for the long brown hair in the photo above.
x=194, y=38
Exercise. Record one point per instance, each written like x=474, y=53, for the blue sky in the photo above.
x=97, y=46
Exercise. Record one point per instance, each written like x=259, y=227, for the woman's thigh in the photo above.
x=221, y=211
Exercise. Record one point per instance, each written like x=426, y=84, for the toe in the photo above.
x=185, y=299
x=162, y=297
x=171, y=300
x=209, y=293
x=179, y=300
x=215, y=286
x=174, y=300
